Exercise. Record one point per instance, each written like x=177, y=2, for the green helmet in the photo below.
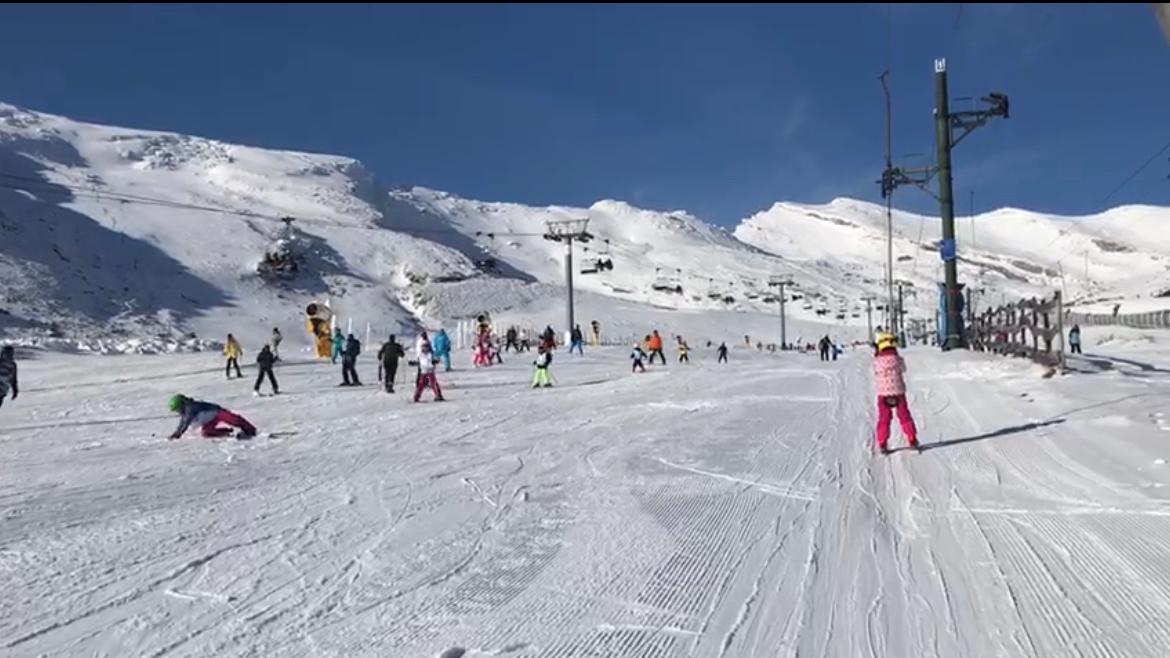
x=176, y=402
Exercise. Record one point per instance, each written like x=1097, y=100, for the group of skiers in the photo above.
x=214, y=420
x=652, y=345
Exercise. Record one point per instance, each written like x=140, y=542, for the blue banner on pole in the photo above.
x=946, y=250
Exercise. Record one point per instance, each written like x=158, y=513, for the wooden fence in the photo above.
x=1030, y=328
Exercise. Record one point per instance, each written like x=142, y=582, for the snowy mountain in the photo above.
x=114, y=233
x=1121, y=254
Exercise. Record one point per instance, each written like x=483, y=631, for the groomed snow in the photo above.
x=698, y=510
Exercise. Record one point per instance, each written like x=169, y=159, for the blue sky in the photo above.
x=720, y=109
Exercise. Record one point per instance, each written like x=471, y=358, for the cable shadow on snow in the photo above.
x=86, y=423
x=1144, y=367
x=1006, y=431
x=63, y=259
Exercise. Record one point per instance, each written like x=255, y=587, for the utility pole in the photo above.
x=950, y=129
x=780, y=282
x=869, y=315
x=946, y=203
x=889, y=208
x=567, y=230
x=901, y=317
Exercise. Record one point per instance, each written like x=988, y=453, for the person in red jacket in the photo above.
x=888, y=368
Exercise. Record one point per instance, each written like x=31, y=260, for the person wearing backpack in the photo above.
x=349, y=362
x=388, y=358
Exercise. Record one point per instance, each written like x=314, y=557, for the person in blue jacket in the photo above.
x=338, y=345
x=209, y=417
x=441, y=347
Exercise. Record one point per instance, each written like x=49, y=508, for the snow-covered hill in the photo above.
x=115, y=233
x=1121, y=254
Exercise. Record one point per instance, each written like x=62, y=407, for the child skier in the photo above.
x=481, y=355
x=888, y=368
x=276, y=338
x=722, y=353
x=208, y=416
x=638, y=356
x=8, y=373
x=232, y=352
x=684, y=351
x=426, y=378
x=540, y=376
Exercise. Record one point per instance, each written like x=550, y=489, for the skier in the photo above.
x=540, y=376
x=524, y=344
x=442, y=348
x=577, y=341
x=264, y=360
x=836, y=350
x=888, y=368
x=1074, y=339
x=722, y=352
x=549, y=338
x=388, y=363
x=683, y=351
x=479, y=354
x=349, y=362
x=338, y=344
x=420, y=342
x=276, y=338
x=8, y=373
x=426, y=378
x=232, y=352
x=493, y=345
x=510, y=340
x=638, y=356
x=655, y=345
x=208, y=416
x=824, y=348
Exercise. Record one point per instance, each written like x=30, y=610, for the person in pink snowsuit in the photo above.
x=480, y=357
x=888, y=368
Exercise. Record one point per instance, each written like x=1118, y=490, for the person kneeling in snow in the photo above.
x=208, y=416
x=426, y=374
x=540, y=377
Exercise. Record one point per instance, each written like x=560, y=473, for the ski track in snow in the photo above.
x=707, y=511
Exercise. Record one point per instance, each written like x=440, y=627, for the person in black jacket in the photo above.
x=8, y=373
x=722, y=353
x=349, y=362
x=388, y=362
x=264, y=361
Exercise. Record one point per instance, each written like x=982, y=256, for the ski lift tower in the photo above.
x=566, y=231
x=781, y=282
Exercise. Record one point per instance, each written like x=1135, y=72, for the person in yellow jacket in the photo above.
x=232, y=352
